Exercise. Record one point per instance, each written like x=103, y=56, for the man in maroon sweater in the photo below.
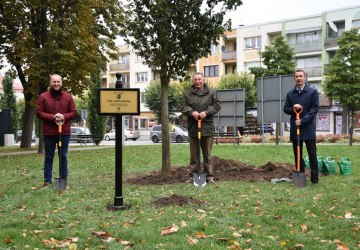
x=52, y=106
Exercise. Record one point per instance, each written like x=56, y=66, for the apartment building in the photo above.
x=221, y=61
x=312, y=37
x=314, y=41
x=135, y=74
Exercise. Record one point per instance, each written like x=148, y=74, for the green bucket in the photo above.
x=307, y=162
x=321, y=168
x=330, y=165
x=345, y=166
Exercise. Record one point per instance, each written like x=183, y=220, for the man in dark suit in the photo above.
x=305, y=97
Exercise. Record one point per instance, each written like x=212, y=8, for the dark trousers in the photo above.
x=311, y=149
x=50, y=142
x=206, y=143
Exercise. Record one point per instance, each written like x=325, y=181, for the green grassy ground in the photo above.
x=238, y=215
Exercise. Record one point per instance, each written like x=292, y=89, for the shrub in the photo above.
x=256, y=139
x=320, y=138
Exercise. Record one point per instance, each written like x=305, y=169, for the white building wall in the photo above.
x=137, y=66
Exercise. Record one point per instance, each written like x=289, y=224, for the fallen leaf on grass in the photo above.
x=183, y=224
x=342, y=246
x=282, y=243
x=337, y=217
x=7, y=241
x=223, y=239
x=191, y=240
x=101, y=234
x=60, y=243
x=201, y=211
x=237, y=235
x=349, y=216
x=235, y=246
x=304, y=228
x=200, y=235
x=170, y=230
x=232, y=228
x=298, y=245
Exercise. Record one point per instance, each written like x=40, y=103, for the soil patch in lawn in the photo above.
x=224, y=170
x=177, y=200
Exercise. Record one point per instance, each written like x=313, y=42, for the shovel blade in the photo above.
x=299, y=179
x=60, y=184
x=199, y=179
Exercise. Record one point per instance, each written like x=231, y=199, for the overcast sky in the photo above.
x=260, y=11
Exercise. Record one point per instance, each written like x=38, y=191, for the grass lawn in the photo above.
x=237, y=215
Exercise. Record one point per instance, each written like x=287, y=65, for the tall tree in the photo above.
x=69, y=37
x=171, y=35
x=9, y=101
x=243, y=80
x=97, y=122
x=342, y=77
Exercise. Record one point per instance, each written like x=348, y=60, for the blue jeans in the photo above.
x=50, y=142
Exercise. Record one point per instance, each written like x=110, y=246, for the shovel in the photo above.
x=59, y=183
x=299, y=179
x=199, y=178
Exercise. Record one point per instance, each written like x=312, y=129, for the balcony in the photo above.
x=330, y=42
x=120, y=67
x=307, y=47
x=313, y=71
x=228, y=55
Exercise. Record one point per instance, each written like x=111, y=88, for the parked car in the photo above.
x=76, y=131
x=128, y=134
x=179, y=134
x=19, y=135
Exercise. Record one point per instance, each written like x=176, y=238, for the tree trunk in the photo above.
x=352, y=121
x=344, y=124
x=41, y=148
x=27, y=127
x=166, y=164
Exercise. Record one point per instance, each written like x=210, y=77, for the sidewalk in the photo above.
x=28, y=152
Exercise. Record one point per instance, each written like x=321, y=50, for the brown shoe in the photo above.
x=47, y=184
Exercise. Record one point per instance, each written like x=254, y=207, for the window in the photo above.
x=214, y=48
x=125, y=78
x=249, y=65
x=123, y=59
x=142, y=77
x=211, y=71
x=356, y=23
x=142, y=97
x=308, y=37
x=336, y=29
x=309, y=62
x=253, y=42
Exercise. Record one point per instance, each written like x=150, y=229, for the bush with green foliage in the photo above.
x=97, y=122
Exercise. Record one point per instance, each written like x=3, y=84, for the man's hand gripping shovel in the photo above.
x=199, y=178
x=299, y=178
x=60, y=184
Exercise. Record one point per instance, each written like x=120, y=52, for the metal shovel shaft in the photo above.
x=199, y=178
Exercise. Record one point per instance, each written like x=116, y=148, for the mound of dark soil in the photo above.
x=176, y=200
x=224, y=170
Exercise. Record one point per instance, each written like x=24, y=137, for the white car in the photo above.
x=128, y=134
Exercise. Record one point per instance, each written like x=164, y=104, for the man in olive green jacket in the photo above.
x=201, y=102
